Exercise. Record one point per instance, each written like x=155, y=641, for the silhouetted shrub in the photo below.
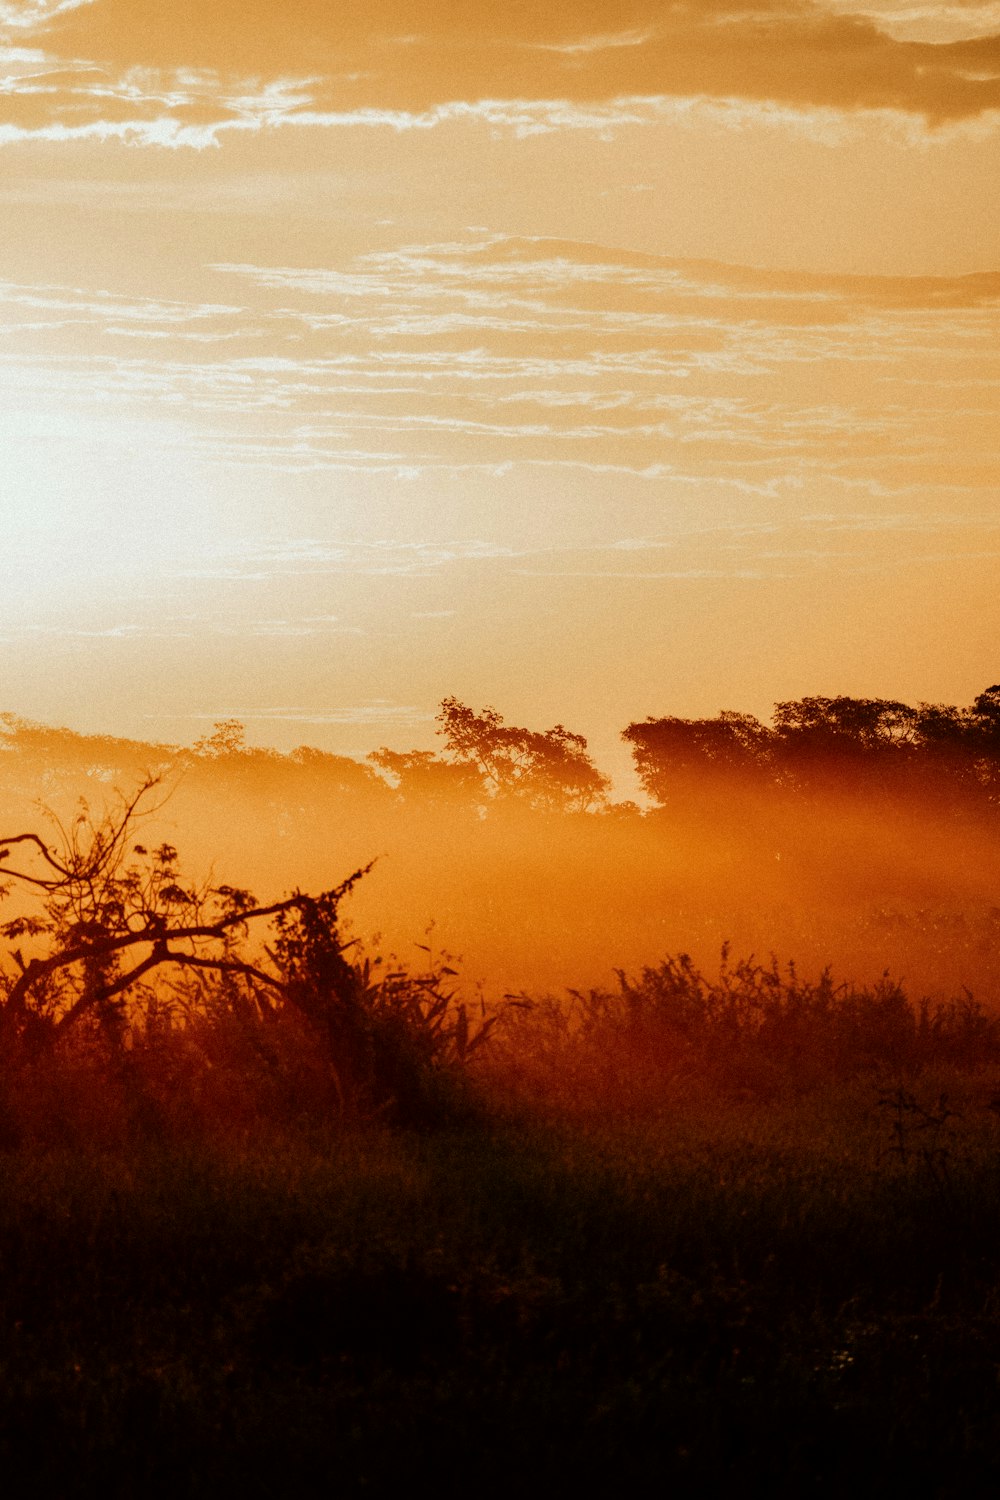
x=140, y=1006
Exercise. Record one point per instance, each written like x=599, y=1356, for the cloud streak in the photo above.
x=490, y=353
x=184, y=75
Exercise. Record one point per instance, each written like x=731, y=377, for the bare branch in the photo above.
x=157, y=934
x=6, y=844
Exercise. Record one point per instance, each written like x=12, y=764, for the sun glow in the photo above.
x=284, y=380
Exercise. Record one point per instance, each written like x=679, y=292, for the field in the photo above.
x=763, y=1300
x=789, y=1296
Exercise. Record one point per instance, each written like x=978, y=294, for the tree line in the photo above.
x=840, y=743
x=859, y=746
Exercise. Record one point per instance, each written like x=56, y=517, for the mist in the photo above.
x=508, y=853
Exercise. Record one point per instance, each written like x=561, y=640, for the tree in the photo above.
x=109, y=912
x=422, y=776
x=842, y=725
x=228, y=737
x=112, y=915
x=870, y=746
x=987, y=705
x=549, y=771
x=691, y=758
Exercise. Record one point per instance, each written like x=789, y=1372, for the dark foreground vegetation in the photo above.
x=790, y=1301
x=282, y=1214
x=285, y=1224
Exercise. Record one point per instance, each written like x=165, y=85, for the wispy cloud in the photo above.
x=177, y=75
x=377, y=712
x=488, y=354
x=30, y=15
x=309, y=556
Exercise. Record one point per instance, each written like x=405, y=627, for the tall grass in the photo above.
x=752, y=1030
x=375, y=1043
x=763, y=1300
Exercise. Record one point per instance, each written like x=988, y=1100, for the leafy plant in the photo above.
x=548, y=771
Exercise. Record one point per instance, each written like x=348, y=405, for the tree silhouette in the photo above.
x=681, y=758
x=420, y=776
x=112, y=916
x=875, y=746
x=228, y=737
x=848, y=727
x=549, y=771
x=109, y=913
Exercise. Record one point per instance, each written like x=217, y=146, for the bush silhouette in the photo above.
x=137, y=978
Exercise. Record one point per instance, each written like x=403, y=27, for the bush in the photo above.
x=141, y=1006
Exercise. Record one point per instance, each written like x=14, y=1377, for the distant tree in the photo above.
x=869, y=742
x=951, y=753
x=842, y=724
x=422, y=776
x=684, y=758
x=38, y=757
x=875, y=745
x=984, y=738
x=985, y=716
x=332, y=774
x=548, y=770
x=987, y=705
x=228, y=737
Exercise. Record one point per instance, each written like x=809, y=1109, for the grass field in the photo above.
x=801, y=1297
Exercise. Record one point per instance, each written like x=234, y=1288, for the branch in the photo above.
x=222, y=966
x=90, y=998
x=77, y=866
x=161, y=955
x=6, y=844
x=38, y=968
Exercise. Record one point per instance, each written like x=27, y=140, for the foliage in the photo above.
x=672, y=755
x=549, y=771
x=121, y=948
x=421, y=777
x=228, y=737
x=751, y=1030
x=110, y=912
x=397, y=1042
x=857, y=744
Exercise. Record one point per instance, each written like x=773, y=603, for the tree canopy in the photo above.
x=549, y=770
x=859, y=743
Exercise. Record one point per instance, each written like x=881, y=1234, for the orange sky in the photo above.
x=592, y=360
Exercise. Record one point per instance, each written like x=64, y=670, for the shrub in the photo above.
x=141, y=1000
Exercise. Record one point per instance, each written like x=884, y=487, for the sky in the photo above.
x=592, y=361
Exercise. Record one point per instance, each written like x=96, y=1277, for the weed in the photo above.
x=922, y=1136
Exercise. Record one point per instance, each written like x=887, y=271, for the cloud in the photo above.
x=486, y=360
x=73, y=305
x=532, y=272
x=28, y=15
x=183, y=73
x=929, y=20
x=376, y=712
x=309, y=556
